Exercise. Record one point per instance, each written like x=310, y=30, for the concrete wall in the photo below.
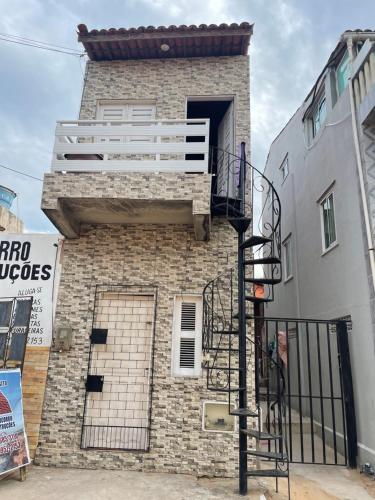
x=332, y=284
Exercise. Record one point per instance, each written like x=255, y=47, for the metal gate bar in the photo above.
x=317, y=386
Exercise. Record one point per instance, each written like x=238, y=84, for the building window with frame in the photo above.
x=328, y=221
x=343, y=73
x=287, y=246
x=284, y=168
x=319, y=115
x=187, y=336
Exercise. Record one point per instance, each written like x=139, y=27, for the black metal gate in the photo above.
x=15, y=313
x=304, y=388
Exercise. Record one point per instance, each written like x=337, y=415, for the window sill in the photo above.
x=327, y=250
x=289, y=278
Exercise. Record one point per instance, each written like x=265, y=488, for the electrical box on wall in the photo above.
x=216, y=417
x=63, y=338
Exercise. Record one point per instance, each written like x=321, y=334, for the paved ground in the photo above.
x=308, y=483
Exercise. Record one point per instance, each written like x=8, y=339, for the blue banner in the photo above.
x=14, y=451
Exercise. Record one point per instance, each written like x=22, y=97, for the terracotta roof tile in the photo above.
x=182, y=41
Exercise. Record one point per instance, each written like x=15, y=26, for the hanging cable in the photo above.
x=21, y=173
x=39, y=45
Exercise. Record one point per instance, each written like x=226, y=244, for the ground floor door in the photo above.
x=118, y=387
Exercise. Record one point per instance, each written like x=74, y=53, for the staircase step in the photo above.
x=222, y=205
x=263, y=281
x=223, y=368
x=255, y=240
x=256, y=300
x=243, y=412
x=267, y=473
x=264, y=260
x=223, y=389
x=240, y=224
x=226, y=332
x=267, y=454
x=222, y=349
x=263, y=436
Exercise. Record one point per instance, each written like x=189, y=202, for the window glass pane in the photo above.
x=322, y=111
x=331, y=219
x=319, y=115
x=328, y=221
x=3, y=341
x=22, y=314
x=288, y=258
x=5, y=312
x=17, y=347
x=343, y=74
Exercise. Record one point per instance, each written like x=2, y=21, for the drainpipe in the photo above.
x=370, y=243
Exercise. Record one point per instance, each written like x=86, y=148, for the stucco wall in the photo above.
x=333, y=284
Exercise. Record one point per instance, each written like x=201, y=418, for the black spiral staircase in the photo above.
x=232, y=315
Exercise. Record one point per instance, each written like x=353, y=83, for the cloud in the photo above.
x=291, y=43
x=193, y=11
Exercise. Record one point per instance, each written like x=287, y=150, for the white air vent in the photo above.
x=188, y=316
x=187, y=353
x=187, y=333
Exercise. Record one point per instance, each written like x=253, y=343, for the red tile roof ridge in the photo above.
x=83, y=31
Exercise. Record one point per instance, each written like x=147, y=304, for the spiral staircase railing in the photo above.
x=229, y=301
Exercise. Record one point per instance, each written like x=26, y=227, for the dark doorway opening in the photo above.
x=215, y=111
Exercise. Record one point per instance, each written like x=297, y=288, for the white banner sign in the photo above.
x=28, y=269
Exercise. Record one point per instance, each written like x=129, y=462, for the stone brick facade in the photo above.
x=10, y=223
x=165, y=257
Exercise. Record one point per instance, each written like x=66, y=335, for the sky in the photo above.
x=292, y=40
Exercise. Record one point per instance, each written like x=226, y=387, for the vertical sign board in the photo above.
x=28, y=269
x=14, y=451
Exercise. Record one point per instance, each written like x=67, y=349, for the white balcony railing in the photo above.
x=131, y=146
x=363, y=72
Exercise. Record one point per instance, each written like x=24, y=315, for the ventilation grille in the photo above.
x=188, y=316
x=187, y=353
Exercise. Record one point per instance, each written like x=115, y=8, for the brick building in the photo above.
x=131, y=189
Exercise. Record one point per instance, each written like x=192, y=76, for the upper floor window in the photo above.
x=284, y=168
x=133, y=112
x=343, y=73
x=319, y=115
x=328, y=221
x=287, y=245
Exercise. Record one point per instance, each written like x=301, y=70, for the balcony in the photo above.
x=121, y=172
x=364, y=83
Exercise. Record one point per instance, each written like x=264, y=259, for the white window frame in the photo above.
x=284, y=168
x=322, y=200
x=177, y=334
x=287, y=244
x=339, y=66
x=316, y=111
